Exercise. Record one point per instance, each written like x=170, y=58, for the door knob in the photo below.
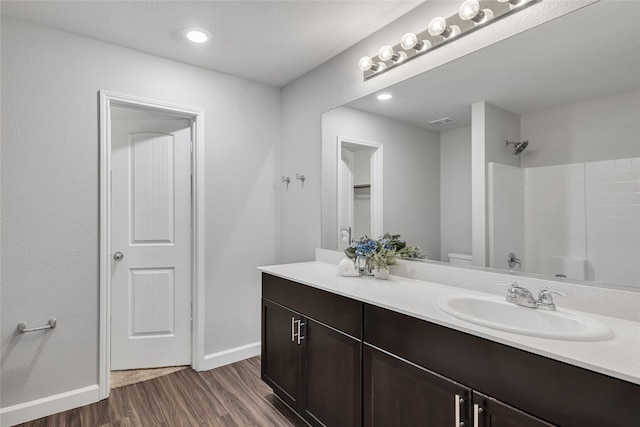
x=118, y=256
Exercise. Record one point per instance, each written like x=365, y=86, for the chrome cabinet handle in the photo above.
x=477, y=410
x=296, y=330
x=457, y=401
x=300, y=336
x=293, y=329
x=118, y=256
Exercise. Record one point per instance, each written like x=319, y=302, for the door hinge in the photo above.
x=191, y=145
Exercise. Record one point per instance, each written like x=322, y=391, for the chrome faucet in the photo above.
x=520, y=296
x=545, y=300
x=523, y=297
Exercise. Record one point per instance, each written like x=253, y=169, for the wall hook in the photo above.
x=287, y=180
x=301, y=178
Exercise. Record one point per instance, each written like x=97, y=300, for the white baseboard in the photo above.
x=39, y=408
x=221, y=358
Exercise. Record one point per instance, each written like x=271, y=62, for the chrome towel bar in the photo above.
x=22, y=327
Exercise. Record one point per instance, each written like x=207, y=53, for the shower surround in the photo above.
x=580, y=220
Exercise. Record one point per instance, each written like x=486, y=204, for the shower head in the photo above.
x=518, y=147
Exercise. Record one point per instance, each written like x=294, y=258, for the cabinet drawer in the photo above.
x=557, y=392
x=339, y=312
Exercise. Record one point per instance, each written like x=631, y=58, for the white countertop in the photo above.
x=618, y=357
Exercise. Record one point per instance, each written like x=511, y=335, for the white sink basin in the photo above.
x=496, y=313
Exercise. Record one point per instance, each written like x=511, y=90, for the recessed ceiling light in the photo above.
x=384, y=96
x=197, y=34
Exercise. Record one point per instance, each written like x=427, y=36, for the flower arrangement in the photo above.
x=384, y=252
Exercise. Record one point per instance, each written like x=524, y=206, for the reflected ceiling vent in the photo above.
x=447, y=121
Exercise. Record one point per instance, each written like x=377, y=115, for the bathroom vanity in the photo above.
x=360, y=351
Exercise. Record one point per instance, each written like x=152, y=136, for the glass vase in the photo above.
x=365, y=266
x=381, y=273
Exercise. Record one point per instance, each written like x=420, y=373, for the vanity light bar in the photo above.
x=472, y=15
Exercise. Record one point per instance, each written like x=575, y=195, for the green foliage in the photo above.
x=385, y=251
x=384, y=258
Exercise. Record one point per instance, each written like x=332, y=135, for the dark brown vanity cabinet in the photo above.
x=489, y=412
x=510, y=387
x=397, y=393
x=340, y=362
x=281, y=354
x=311, y=351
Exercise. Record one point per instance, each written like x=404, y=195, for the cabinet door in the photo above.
x=489, y=412
x=333, y=377
x=281, y=353
x=398, y=393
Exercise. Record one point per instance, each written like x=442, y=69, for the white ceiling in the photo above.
x=571, y=59
x=272, y=42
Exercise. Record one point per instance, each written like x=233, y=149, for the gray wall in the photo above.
x=411, y=171
x=455, y=191
x=339, y=81
x=598, y=129
x=49, y=209
x=362, y=167
x=501, y=126
x=491, y=127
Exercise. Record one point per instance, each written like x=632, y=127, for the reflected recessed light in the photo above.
x=384, y=96
x=197, y=34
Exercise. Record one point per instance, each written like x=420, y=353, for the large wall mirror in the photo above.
x=565, y=204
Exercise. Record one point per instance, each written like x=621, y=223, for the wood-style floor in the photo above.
x=233, y=395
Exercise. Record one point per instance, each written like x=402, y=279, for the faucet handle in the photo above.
x=511, y=292
x=547, y=291
x=545, y=300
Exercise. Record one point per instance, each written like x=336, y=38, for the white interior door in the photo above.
x=151, y=240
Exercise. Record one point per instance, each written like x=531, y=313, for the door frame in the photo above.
x=345, y=194
x=108, y=100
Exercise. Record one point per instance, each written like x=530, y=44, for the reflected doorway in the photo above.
x=359, y=190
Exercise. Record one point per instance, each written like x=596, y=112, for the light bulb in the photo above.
x=410, y=41
x=367, y=64
x=387, y=53
x=469, y=9
x=437, y=26
x=384, y=96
